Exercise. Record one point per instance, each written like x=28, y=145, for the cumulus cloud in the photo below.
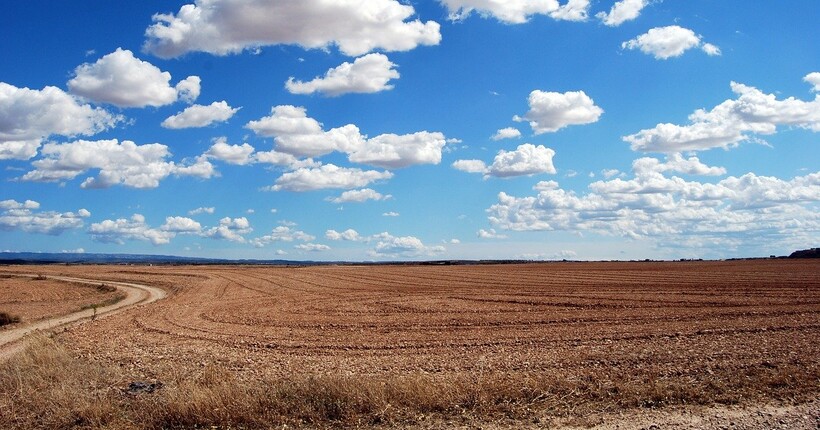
x=622, y=11
x=359, y=196
x=668, y=209
x=729, y=123
x=518, y=11
x=391, y=246
x=123, y=80
x=506, y=133
x=200, y=116
x=202, y=210
x=328, y=176
x=668, y=42
x=119, y=230
x=368, y=74
x=297, y=134
x=391, y=214
x=29, y=116
x=282, y=234
x=223, y=27
x=231, y=154
x=312, y=247
x=126, y=163
x=231, y=229
x=551, y=111
x=178, y=224
x=490, y=234
x=349, y=235
x=397, y=151
x=813, y=78
x=526, y=160
x=23, y=216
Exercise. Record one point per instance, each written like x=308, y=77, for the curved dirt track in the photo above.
x=10, y=340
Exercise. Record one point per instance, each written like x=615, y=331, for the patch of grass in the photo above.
x=6, y=319
x=104, y=303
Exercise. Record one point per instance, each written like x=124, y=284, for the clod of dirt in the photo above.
x=143, y=387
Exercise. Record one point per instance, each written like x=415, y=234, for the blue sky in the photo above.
x=394, y=130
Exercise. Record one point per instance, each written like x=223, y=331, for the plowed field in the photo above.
x=592, y=337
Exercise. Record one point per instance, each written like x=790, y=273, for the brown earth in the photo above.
x=534, y=345
x=33, y=299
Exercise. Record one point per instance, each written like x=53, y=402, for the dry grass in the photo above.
x=48, y=387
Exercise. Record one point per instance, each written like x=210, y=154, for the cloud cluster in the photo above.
x=526, y=160
x=200, y=116
x=23, y=216
x=729, y=123
x=123, y=80
x=622, y=11
x=551, y=111
x=368, y=74
x=222, y=27
x=119, y=230
x=667, y=42
x=327, y=176
x=29, y=116
x=359, y=196
x=518, y=11
x=297, y=134
x=387, y=245
x=282, y=233
x=666, y=208
x=232, y=229
x=125, y=163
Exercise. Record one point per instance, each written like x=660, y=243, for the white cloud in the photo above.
x=119, y=230
x=23, y=216
x=312, y=247
x=222, y=27
x=729, y=123
x=669, y=210
x=391, y=246
x=369, y=74
x=282, y=234
x=200, y=116
x=231, y=154
x=550, y=111
x=328, y=176
x=231, y=229
x=609, y=173
x=178, y=224
x=29, y=116
x=359, y=196
x=470, y=166
x=395, y=151
x=518, y=11
x=813, y=78
x=297, y=134
x=391, y=214
x=126, y=163
x=622, y=11
x=506, y=133
x=668, y=42
x=527, y=159
x=349, y=235
x=490, y=234
x=123, y=80
x=202, y=210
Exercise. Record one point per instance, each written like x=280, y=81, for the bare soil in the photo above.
x=535, y=345
x=33, y=299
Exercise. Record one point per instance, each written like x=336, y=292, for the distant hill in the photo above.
x=83, y=258
x=806, y=253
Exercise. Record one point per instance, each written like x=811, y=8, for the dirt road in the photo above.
x=10, y=340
